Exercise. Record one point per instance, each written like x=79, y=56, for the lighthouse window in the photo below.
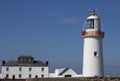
x=90, y=23
x=95, y=53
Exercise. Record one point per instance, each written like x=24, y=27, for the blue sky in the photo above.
x=51, y=30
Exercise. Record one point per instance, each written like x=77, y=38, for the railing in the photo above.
x=92, y=33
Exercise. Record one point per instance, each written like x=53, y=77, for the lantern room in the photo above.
x=93, y=21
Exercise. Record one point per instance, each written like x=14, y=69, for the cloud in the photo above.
x=63, y=19
x=70, y=20
x=54, y=15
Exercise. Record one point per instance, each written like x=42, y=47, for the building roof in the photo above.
x=24, y=61
x=66, y=69
x=24, y=56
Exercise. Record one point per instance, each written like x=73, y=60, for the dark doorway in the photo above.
x=13, y=77
x=68, y=76
x=42, y=75
x=36, y=76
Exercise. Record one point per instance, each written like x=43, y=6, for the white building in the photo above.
x=24, y=67
x=93, y=51
x=64, y=72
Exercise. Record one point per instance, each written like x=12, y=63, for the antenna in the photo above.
x=93, y=11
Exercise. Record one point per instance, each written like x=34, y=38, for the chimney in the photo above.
x=47, y=63
x=3, y=62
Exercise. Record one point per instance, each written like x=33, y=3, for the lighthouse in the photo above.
x=92, y=48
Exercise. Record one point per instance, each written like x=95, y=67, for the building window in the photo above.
x=42, y=69
x=42, y=75
x=20, y=69
x=20, y=75
x=95, y=53
x=7, y=68
x=7, y=75
x=30, y=75
x=30, y=69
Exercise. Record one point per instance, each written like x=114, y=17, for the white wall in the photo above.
x=52, y=75
x=0, y=76
x=92, y=65
x=79, y=75
x=14, y=70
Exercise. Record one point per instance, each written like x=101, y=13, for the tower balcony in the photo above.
x=93, y=34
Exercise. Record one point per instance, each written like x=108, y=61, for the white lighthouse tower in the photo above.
x=93, y=51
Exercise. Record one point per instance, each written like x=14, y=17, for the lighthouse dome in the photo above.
x=93, y=17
